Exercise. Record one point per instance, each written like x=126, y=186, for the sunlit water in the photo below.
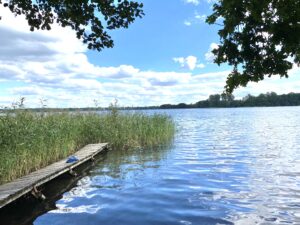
x=226, y=166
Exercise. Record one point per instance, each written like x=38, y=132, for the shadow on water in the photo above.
x=25, y=210
x=120, y=169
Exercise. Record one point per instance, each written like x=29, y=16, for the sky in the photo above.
x=165, y=57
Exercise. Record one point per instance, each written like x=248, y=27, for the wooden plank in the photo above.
x=14, y=190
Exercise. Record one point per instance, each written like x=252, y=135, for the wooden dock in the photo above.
x=9, y=192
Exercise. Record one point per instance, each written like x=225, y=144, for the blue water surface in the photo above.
x=226, y=166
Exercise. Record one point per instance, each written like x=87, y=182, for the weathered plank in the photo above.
x=14, y=190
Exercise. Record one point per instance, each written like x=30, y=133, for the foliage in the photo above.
x=214, y=100
x=258, y=38
x=268, y=99
x=29, y=141
x=90, y=19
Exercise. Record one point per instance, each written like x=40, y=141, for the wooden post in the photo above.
x=37, y=194
x=73, y=173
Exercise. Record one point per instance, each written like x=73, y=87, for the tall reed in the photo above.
x=29, y=140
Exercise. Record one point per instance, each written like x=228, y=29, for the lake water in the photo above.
x=226, y=166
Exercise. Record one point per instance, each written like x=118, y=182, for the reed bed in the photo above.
x=29, y=140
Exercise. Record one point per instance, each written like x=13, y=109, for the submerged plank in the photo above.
x=14, y=190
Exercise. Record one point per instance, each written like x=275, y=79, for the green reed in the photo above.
x=29, y=140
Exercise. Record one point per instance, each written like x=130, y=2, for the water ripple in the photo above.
x=227, y=166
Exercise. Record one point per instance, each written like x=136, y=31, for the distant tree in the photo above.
x=227, y=97
x=273, y=98
x=91, y=19
x=258, y=38
x=167, y=106
x=202, y=104
x=261, y=100
x=182, y=105
x=214, y=100
x=268, y=99
x=248, y=100
x=245, y=98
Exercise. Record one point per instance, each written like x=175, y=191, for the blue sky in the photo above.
x=162, y=58
x=152, y=42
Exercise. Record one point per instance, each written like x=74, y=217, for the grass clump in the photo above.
x=29, y=140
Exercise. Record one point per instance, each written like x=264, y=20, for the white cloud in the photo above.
x=25, y=91
x=196, y=19
x=274, y=83
x=8, y=71
x=211, y=77
x=201, y=66
x=209, y=56
x=54, y=66
x=187, y=23
x=189, y=62
x=199, y=17
x=194, y=2
x=58, y=70
x=123, y=71
x=164, y=78
x=197, y=2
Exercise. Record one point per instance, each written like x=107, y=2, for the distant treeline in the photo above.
x=226, y=101
x=214, y=101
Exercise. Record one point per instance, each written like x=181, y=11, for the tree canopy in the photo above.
x=223, y=101
x=258, y=38
x=91, y=19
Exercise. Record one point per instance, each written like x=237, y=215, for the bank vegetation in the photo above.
x=30, y=140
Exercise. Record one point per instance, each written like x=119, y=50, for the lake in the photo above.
x=226, y=166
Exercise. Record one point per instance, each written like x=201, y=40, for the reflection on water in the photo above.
x=226, y=166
